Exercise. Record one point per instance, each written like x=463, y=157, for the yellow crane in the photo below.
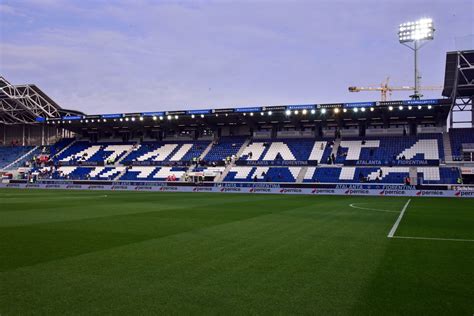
x=386, y=90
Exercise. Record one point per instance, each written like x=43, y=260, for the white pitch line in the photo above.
x=399, y=219
x=372, y=209
x=432, y=238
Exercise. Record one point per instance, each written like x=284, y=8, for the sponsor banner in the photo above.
x=391, y=162
x=277, y=163
x=407, y=191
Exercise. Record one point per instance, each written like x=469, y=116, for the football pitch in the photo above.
x=98, y=252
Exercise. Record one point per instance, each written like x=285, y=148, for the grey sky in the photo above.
x=125, y=56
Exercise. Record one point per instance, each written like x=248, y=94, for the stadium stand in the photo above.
x=225, y=147
x=461, y=137
x=286, y=149
x=390, y=148
x=262, y=174
x=9, y=154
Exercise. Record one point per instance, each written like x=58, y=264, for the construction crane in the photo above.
x=386, y=90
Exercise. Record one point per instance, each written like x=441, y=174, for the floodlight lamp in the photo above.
x=104, y=120
x=410, y=107
x=336, y=110
x=288, y=112
x=304, y=112
x=362, y=109
x=371, y=109
x=202, y=115
x=344, y=110
x=126, y=119
x=356, y=110
x=313, y=111
x=419, y=107
x=262, y=114
x=121, y=119
x=141, y=118
x=175, y=117
x=169, y=117
x=193, y=116
x=251, y=113
x=161, y=118
x=390, y=108
x=154, y=118
x=429, y=107
x=400, y=107
x=416, y=31
x=269, y=113
x=323, y=111
x=296, y=111
x=87, y=121
x=133, y=119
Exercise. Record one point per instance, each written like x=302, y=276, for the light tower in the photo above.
x=414, y=35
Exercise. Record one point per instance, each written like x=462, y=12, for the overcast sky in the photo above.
x=137, y=55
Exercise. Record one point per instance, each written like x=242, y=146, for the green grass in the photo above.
x=84, y=252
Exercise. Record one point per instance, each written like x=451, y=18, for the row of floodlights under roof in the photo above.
x=287, y=113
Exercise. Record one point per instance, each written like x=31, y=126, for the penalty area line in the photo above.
x=399, y=219
x=353, y=205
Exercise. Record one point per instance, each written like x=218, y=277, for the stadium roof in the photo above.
x=23, y=104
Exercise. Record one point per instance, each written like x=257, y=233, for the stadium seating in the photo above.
x=286, y=149
x=9, y=154
x=166, y=151
x=390, y=148
x=356, y=174
x=226, y=147
x=98, y=152
x=263, y=174
x=458, y=137
x=151, y=173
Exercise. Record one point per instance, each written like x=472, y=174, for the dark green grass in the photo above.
x=81, y=252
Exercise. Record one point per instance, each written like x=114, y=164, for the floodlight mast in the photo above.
x=418, y=33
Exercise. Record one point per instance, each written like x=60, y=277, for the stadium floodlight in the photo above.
x=418, y=33
x=419, y=107
x=362, y=109
x=175, y=117
x=141, y=118
x=410, y=107
x=202, y=116
x=371, y=109
x=344, y=110
x=429, y=107
x=356, y=110
x=336, y=110
x=288, y=112
x=269, y=113
x=262, y=114
x=400, y=107
x=296, y=112
x=154, y=118
x=323, y=111
x=133, y=119
x=161, y=118
x=313, y=111
x=390, y=108
x=193, y=116
x=169, y=117
x=251, y=113
x=304, y=112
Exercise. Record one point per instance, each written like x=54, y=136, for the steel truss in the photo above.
x=462, y=96
x=22, y=104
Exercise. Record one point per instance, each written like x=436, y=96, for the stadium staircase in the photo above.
x=59, y=153
x=301, y=175
x=118, y=162
x=201, y=157
x=229, y=166
x=335, y=148
x=413, y=173
x=447, y=147
x=14, y=164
